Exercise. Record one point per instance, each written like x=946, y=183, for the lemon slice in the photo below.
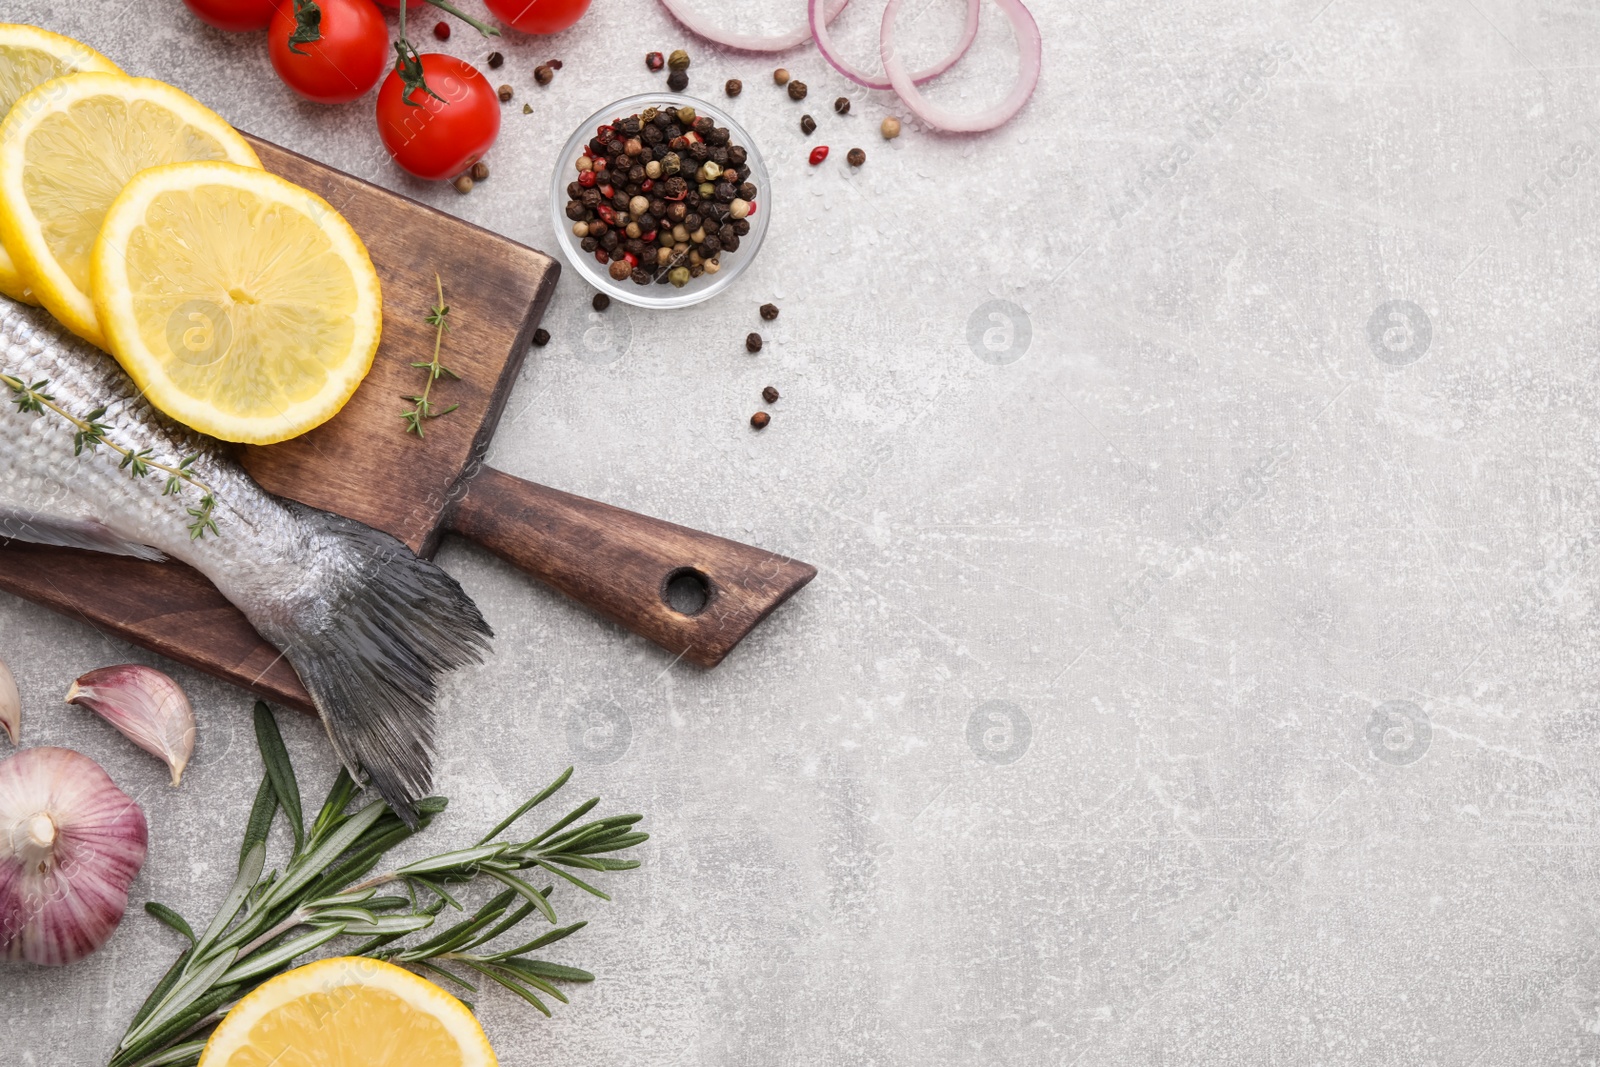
x=243, y=305
x=66, y=150
x=30, y=57
x=349, y=1012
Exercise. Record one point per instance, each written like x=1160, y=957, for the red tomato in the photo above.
x=345, y=64
x=411, y=5
x=236, y=16
x=539, y=16
x=439, y=138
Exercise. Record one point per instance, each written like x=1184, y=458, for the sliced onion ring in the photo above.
x=819, y=30
x=744, y=42
x=1028, y=40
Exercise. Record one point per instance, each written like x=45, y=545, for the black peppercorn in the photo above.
x=769, y=394
x=555, y=64
x=636, y=174
x=647, y=222
x=678, y=81
x=640, y=276
x=658, y=206
x=576, y=211
x=711, y=245
x=654, y=60
x=856, y=157
x=541, y=337
x=719, y=135
x=674, y=188
x=677, y=212
x=589, y=244
x=693, y=222
x=610, y=241
x=703, y=126
x=495, y=59
x=747, y=191
x=719, y=156
x=740, y=227
x=726, y=191
x=600, y=302
x=505, y=94
x=597, y=228
x=631, y=125
x=734, y=87
x=543, y=73
x=841, y=106
x=591, y=198
x=760, y=419
x=662, y=120
x=731, y=244
x=737, y=155
x=699, y=151
x=797, y=90
x=808, y=125
x=769, y=311
x=753, y=342
x=574, y=190
x=480, y=172
x=726, y=231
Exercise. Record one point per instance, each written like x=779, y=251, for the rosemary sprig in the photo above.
x=327, y=891
x=32, y=398
x=422, y=405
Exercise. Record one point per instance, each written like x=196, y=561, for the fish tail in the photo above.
x=385, y=627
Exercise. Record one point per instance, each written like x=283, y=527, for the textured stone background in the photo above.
x=1199, y=668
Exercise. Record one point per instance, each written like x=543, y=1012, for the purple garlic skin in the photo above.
x=145, y=706
x=71, y=843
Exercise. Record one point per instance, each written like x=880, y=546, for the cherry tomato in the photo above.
x=236, y=16
x=439, y=138
x=539, y=16
x=349, y=59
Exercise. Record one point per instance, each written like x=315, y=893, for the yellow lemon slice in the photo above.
x=243, y=305
x=349, y=1012
x=66, y=150
x=29, y=57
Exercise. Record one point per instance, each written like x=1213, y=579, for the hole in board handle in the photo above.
x=686, y=591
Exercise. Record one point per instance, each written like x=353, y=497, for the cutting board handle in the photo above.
x=694, y=594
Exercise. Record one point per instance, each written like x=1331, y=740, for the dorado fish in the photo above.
x=367, y=625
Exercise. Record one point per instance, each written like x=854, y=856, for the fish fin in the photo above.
x=371, y=658
x=71, y=533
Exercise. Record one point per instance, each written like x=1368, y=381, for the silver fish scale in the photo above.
x=262, y=544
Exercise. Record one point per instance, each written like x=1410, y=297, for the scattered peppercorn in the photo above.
x=818, y=154
x=797, y=90
x=780, y=76
x=769, y=394
x=890, y=128
x=734, y=87
x=527, y=109
x=808, y=125
x=505, y=94
x=543, y=73
x=856, y=157
x=601, y=301
x=495, y=59
x=464, y=183
x=654, y=61
x=753, y=342
x=841, y=106
x=442, y=31
x=677, y=81
x=760, y=419
x=480, y=171
x=678, y=60
x=769, y=311
x=541, y=337
x=554, y=64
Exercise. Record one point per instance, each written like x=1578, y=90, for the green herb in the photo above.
x=326, y=891
x=91, y=434
x=307, y=25
x=422, y=405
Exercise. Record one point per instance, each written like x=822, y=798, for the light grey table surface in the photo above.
x=1201, y=472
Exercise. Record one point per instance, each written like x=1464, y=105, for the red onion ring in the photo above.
x=780, y=43
x=819, y=30
x=1028, y=40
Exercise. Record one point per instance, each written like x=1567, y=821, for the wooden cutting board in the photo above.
x=362, y=464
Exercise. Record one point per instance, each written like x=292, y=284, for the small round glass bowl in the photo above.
x=662, y=294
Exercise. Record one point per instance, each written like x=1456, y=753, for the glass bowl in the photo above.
x=658, y=295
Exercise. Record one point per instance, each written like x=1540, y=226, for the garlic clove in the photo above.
x=146, y=706
x=71, y=843
x=10, y=704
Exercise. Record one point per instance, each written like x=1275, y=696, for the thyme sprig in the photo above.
x=92, y=434
x=422, y=404
x=326, y=891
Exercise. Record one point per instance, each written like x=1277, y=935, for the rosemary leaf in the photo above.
x=282, y=954
x=280, y=770
x=261, y=815
x=526, y=891
x=550, y=970
x=540, y=942
x=169, y=918
x=501, y=977
x=250, y=865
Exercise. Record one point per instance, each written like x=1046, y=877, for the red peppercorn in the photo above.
x=654, y=60
x=647, y=185
x=607, y=191
x=647, y=238
x=607, y=215
x=601, y=256
x=442, y=31
x=604, y=132
x=818, y=154
x=633, y=260
x=586, y=179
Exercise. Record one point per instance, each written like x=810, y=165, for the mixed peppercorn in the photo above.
x=661, y=195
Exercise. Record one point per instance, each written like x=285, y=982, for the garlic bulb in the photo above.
x=10, y=704
x=146, y=706
x=71, y=843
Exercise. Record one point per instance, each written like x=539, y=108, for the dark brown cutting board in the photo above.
x=364, y=465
